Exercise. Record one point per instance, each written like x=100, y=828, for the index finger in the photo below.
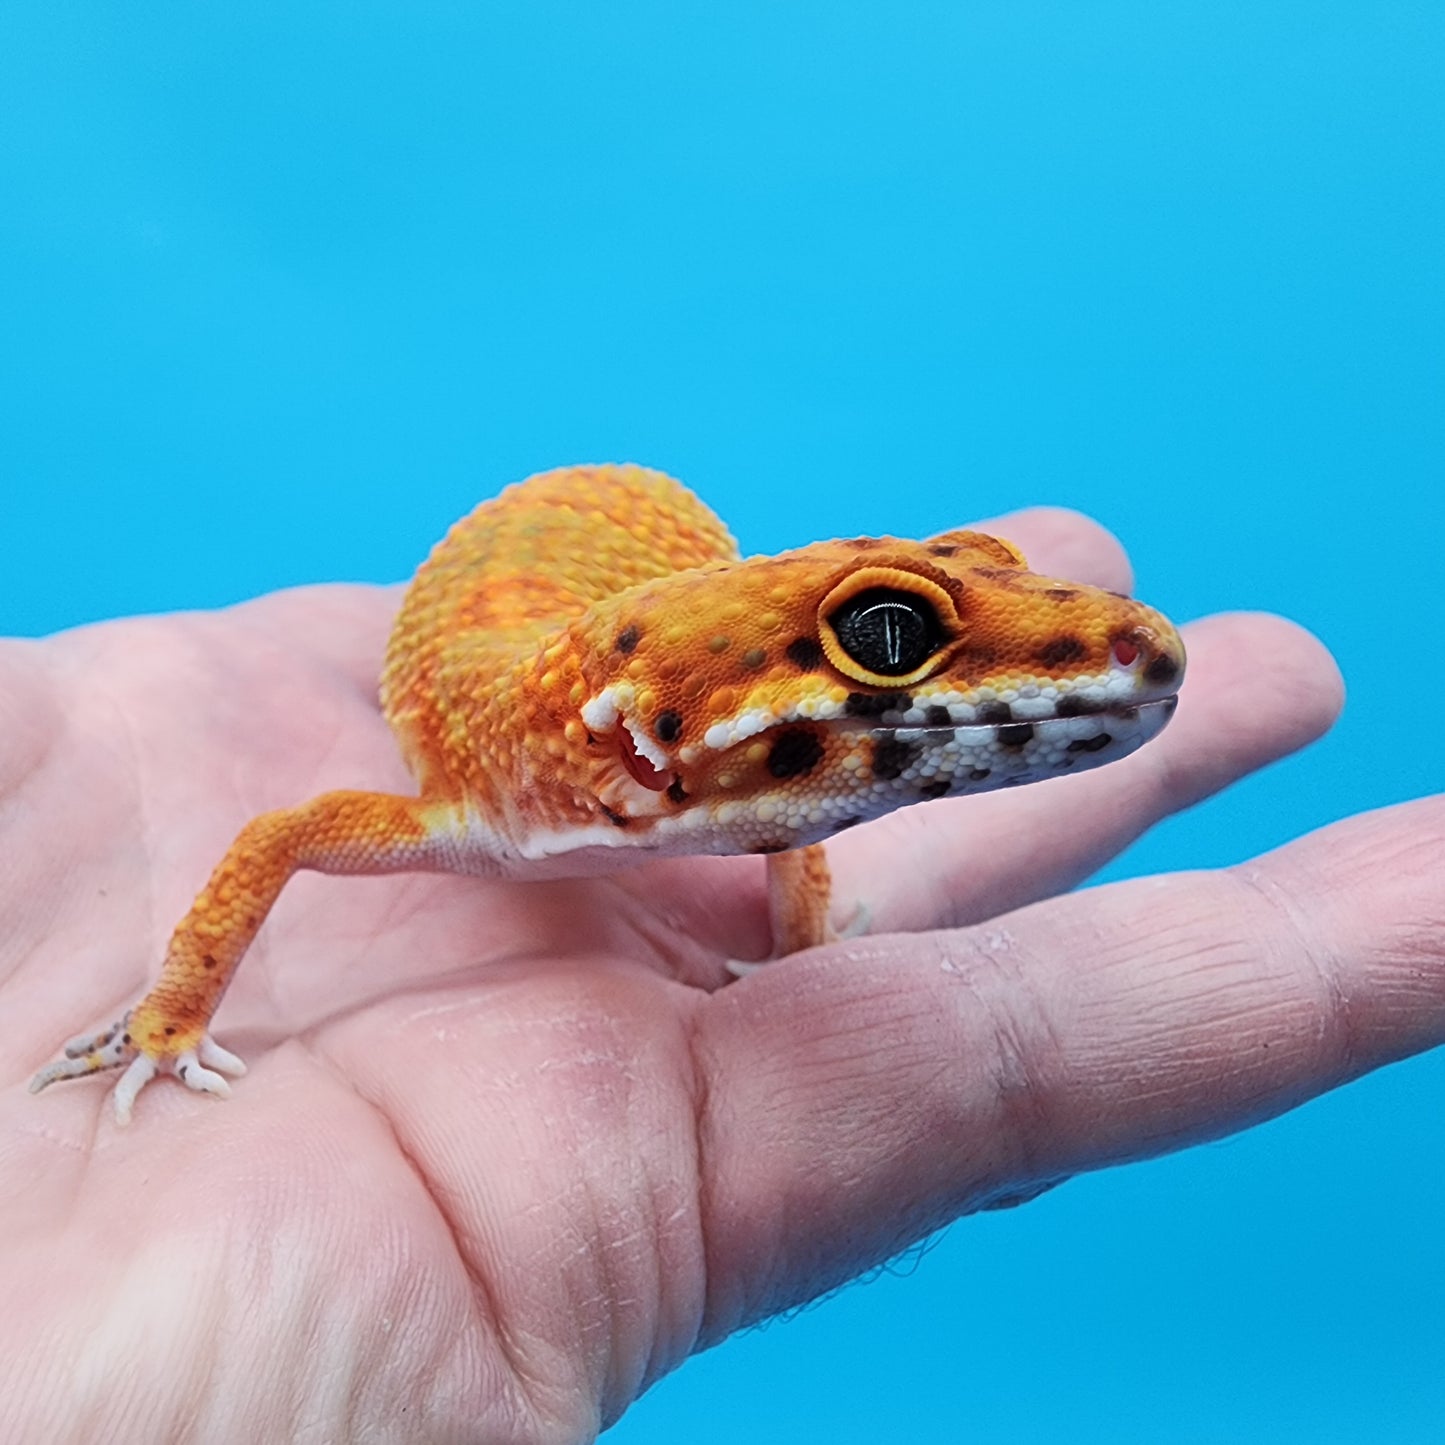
x=859, y=1097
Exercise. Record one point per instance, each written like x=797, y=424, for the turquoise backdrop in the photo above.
x=284, y=288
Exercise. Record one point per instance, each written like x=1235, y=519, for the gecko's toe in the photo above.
x=202, y=1080
x=223, y=1061
x=741, y=968
x=88, y=1054
x=141, y=1071
x=85, y=1044
x=202, y=1068
x=858, y=922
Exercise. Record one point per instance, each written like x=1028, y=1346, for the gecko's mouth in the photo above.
x=935, y=761
x=1080, y=731
x=887, y=753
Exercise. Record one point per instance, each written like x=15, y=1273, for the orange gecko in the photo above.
x=585, y=675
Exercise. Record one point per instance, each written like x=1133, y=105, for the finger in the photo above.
x=863, y=1096
x=1258, y=688
x=342, y=626
x=30, y=715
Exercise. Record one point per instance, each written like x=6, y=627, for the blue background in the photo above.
x=286, y=287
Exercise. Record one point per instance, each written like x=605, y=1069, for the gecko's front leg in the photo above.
x=168, y=1030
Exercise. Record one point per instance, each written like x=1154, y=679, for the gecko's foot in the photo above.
x=858, y=922
x=742, y=967
x=201, y=1068
x=855, y=927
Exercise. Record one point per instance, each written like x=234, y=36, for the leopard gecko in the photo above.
x=585, y=675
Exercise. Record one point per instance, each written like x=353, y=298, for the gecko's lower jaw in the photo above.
x=1080, y=732
x=978, y=757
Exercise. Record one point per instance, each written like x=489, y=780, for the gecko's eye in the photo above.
x=887, y=631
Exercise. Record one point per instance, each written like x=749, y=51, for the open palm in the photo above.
x=508, y=1153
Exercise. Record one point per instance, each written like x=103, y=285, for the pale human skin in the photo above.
x=506, y=1154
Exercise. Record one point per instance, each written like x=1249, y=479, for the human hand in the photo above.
x=508, y=1153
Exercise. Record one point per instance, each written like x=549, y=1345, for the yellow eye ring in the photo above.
x=887, y=626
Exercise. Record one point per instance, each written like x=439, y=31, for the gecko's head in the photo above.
x=768, y=703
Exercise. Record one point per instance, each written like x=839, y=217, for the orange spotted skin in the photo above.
x=585, y=673
x=481, y=670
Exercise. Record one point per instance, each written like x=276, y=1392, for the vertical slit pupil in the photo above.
x=887, y=631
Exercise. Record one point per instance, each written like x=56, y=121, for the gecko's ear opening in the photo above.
x=887, y=625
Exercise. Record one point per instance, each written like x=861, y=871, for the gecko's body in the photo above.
x=584, y=674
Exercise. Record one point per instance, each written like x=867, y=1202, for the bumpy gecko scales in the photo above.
x=584, y=675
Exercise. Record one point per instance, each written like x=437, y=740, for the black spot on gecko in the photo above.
x=1015, y=735
x=1090, y=745
x=938, y=788
x=805, y=653
x=1075, y=706
x=170, y=1029
x=208, y=960
x=875, y=704
x=628, y=638
x=796, y=752
x=612, y=816
x=668, y=726
x=995, y=712
x=1162, y=669
x=938, y=716
x=768, y=848
x=1061, y=594
x=1061, y=650
x=892, y=757
x=1006, y=579
x=851, y=822
x=943, y=549
x=979, y=774
x=676, y=793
